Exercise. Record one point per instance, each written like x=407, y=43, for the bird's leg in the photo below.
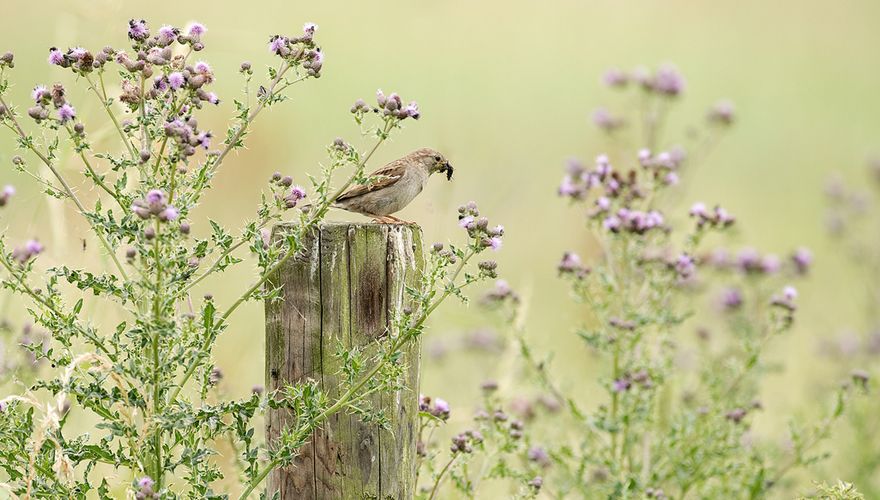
x=380, y=219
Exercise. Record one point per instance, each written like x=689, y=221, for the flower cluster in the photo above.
x=27, y=251
x=44, y=98
x=300, y=50
x=750, y=261
x=626, y=382
x=80, y=60
x=437, y=408
x=717, y=217
x=571, y=265
x=465, y=441
x=478, y=228
x=291, y=195
x=390, y=106
x=186, y=136
x=666, y=80
x=155, y=204
x=664, y=165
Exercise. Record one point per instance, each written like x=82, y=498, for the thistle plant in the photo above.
x=851, y=218
x=148, y=384
x=663, y=428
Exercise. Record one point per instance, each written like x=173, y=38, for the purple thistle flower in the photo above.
x=770, y=264
x=66, y=112
x=76, y=53
x=667, y=80
x=296, y=194
x=671, y=179
x=621, y=385
x=316, y=61
x=39, y=93
x=212, y=98
x=603, y=119
x=26, y=252
x=34, y=247
x=685, y=266
x=611, y=223
x=698, y=209
x=441, y=405
x=176, y=80
x=309, y=30
x=568, y=187
x=155, y=197
x=789, y=293
x=202, y=67
x=8, y=192
x=731, y=298
x=615, y=78
x=464, y=222
x=495, y=243
x=204, y=139
x=167, y=33
x=570, y=260
x=277, y=43
x=169, y=214
x=55, y=57
x=196, y=29
x=380, y=98
x=538, y=455
x=137, y=30
x=802, y=258
x=412, y=110
x=722, y=112
x=748, y=260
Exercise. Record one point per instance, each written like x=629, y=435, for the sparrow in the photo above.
x=394, y=186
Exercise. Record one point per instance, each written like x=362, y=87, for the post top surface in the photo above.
x=355, y=224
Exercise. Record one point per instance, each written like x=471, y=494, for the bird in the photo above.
x=394, y=186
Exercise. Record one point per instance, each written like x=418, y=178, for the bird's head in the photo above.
x=433, y=161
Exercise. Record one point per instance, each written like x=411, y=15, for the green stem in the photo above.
x=440, y=476
x=94, y=175
x=106, y=106
x=157, y=317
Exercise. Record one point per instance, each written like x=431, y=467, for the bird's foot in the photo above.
x=395, y=220
x=382, y=219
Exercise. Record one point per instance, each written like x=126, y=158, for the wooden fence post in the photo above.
x=345, y=289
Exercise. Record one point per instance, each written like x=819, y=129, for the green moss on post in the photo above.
x=345, y=289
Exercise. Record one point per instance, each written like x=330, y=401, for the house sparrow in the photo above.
x=396, y=185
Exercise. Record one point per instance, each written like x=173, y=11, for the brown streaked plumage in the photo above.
x=396, y=185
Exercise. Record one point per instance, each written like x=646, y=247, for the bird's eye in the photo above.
x=437, y=158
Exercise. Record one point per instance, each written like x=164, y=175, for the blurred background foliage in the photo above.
x=507, y=90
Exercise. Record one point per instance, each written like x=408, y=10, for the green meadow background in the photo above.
x=507, y=90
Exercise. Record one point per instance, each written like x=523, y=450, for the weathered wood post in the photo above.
x=345, y=288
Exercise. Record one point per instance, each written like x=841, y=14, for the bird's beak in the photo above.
x=448, y=169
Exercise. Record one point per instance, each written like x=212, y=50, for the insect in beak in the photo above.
x=448, y=169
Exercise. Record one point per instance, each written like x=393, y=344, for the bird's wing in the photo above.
x=387, y=176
